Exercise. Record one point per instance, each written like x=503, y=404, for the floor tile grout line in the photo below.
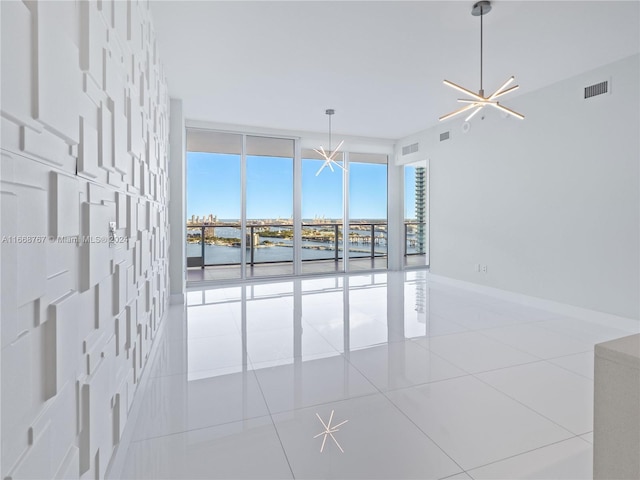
x=403, y=413
x=407, y=417
x=468, y=472
x=523, y=404
x=273, y=423
x=197, y=429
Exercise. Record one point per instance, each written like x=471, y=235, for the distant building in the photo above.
x=421, y=176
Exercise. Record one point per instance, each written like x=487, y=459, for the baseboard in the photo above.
x=594, y=316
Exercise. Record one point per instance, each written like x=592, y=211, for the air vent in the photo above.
x=413, y=148
x=444, y=136
x=596, y=89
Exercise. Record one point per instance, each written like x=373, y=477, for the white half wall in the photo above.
x=550, y=204
x=84, y=227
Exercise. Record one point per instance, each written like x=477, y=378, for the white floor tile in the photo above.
x=274, y=347
x=588, y=437
x=171, y=356
x=396, y=362
x=378, y=442
x=313, y=382
x=247, y=449
x=176, y=404
x=211, y=320
x=459, y=476
x=359, y=332
x=434, y=326
x=580, y=363
x=213, y=353
x=475, y=352
x=474, y=423
x=556, y=393
x=538, y=341
x=570, y=459
x=402, y=364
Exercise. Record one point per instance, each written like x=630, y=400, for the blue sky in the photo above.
x=213, y=186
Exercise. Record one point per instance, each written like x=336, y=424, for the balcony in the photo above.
x=215, y=248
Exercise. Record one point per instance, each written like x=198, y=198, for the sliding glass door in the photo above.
x=243, y=220
x=269, y=228
x=214, y=204
x=322, y=214
x=367, y=233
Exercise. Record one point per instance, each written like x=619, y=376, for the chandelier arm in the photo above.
x=507, y=110
x=456, y=112
x=463, y=90
x=504, y=85
x=499, y=94
x=474, y=113
x=321, y=168
x=336, y=150
x=466, y=100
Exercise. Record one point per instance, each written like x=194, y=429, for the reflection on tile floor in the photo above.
x=435, y=382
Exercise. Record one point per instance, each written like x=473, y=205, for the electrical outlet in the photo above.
x=484, y=269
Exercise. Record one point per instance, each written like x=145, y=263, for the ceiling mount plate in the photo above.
x=481, y=8
x=330, y=111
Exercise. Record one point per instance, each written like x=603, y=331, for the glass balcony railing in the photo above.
x=214, y=244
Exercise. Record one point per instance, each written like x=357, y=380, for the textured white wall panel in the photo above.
x=48, y=147
x=16, y=55
x=59, y=77
x=65, y=208
x=83, y=144
x=93, y=37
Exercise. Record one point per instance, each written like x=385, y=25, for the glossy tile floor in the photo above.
x=432, y=381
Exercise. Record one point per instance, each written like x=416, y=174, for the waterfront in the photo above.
x=270, y=246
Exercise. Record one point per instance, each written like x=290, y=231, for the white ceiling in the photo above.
x=379, y=64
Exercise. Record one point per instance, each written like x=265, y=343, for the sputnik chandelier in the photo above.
x=329, y=157
x=478, y=101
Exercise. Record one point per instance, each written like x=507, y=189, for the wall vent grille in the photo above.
x=596, y=89
x=407, y=149
x=444, y=136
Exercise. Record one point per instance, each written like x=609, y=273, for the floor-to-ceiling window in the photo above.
x=415, y=215
x=214, y=203
x=269, y=193
x=322, y=214
x=243, y=219
x=367, y=235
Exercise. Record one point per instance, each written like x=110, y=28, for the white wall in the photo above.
x=178, y=203
x=551, y=203
x=84, y=138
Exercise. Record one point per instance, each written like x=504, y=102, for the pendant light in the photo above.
x=478, y=101
x=329, y=157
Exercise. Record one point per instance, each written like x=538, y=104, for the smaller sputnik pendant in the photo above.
x=329, y=156
x=329, y=431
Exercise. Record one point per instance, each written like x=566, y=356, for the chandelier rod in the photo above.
x=481, y=15
x=329, y=133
